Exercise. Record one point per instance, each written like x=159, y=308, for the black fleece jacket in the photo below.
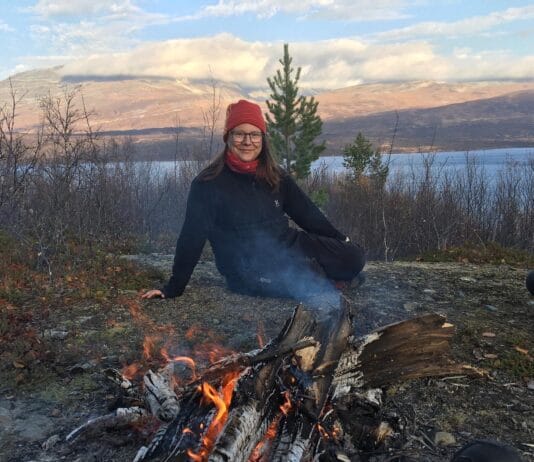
x=247, y=226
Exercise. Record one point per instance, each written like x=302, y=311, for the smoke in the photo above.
x=271, y=268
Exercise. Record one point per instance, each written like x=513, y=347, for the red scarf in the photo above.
x=237, y=165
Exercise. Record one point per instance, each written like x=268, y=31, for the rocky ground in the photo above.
x=42, y=400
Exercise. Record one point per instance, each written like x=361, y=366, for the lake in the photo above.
x=491, y=160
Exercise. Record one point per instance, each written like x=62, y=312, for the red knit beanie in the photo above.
x=243, y=112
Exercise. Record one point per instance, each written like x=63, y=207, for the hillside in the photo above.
x=502, y=121
x=445, y=115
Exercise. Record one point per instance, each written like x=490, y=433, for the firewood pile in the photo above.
x=313, y=393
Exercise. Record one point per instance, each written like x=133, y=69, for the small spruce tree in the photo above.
x=360, y=159
x=357, y=156
x=292, y=121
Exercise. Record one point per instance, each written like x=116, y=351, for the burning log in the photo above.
x=298, y=398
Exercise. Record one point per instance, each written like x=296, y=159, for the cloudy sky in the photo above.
x=336, y=42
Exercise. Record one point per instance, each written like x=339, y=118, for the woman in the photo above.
x=241, y=203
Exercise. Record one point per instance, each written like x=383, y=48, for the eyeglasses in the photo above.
x=254, y=137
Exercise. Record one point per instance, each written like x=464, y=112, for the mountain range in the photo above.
x=414, y=115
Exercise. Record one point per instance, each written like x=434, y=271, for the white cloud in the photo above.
x=226, y=56
x=351, y=10
x=325, y=64
x=82, y=38
x=468, y=26
x=51, y=8
x=93, y=26
x=362, y=10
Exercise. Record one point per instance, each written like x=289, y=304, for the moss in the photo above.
x=58, y=391
x=491, y=252
x=7, y=243
x=516, y=364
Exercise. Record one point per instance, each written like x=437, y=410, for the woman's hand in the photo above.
x=153, y=294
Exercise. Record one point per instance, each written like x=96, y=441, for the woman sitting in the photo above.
x=241, y=204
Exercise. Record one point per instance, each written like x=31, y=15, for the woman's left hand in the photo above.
x=153, y=294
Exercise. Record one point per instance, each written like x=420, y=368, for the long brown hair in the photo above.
x=268, y=170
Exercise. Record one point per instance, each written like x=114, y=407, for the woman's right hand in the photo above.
x=153, y=294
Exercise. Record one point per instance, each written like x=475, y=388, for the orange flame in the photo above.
x=258, y=452
x=192, y=332
x=287, y=403
x=135, y=310
x=261, y=447
x=185, y=359
x=221, y=400
x=148, y=346
x=129, y=372
x=335, y=433
x=163, y=352
x=260, y=335
x=324, y=434
x=180, y=359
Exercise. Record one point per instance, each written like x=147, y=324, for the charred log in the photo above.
x=312, y=393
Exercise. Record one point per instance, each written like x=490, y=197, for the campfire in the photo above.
x=311, y=393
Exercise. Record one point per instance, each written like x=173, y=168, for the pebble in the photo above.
x=83, y=319
x=429, y=291
x=55, y=334
x=467, y=279
x=490, y=307
x=51, y=442
x=444, y=439
x=488, y=334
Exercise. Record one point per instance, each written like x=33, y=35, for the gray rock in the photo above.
x=51, y=442
x=55, y=334
x=83, y=319
x=444, y=439
x=467, y=279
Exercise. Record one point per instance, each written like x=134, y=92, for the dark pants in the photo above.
x=339, y=260
x=309, y=265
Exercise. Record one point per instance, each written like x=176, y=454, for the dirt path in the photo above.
x=489, y=305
